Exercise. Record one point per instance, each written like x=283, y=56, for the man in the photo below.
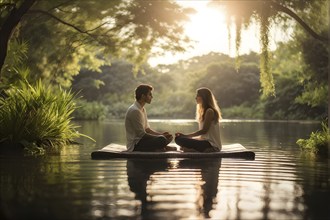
x=139, y=135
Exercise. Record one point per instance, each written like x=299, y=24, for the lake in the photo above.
x=281, y=183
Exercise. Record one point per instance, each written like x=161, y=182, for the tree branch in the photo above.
x=97, y=27
x=3, y=5
x=69, y=24
x=59, y=20
x=292, y=14
x=87, y=32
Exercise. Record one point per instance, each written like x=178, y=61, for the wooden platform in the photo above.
x=119, y=151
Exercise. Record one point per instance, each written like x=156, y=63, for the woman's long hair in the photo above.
x=208, y=101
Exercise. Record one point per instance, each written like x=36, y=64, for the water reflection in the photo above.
x=138, y=174
x=279, y=184
x=209, y=188
x=149, y=179
x=39, y=188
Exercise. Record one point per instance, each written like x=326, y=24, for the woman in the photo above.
x=207, y=138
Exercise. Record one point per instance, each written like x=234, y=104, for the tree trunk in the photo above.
x=9, y=25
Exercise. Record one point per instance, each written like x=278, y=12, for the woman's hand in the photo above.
x=178, y=134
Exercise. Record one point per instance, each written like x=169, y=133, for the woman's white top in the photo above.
x=213, y=134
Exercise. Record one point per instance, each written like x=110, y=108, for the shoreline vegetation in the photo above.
x=29, y=125
x=37, y=119
x=318, y=143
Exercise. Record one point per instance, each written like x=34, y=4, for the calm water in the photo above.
x=281, y=183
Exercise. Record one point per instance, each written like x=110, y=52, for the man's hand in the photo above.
x=168, y=136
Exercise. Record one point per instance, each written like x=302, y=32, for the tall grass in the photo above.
x=37, y=117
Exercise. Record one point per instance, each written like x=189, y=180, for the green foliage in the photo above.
x=266, y=76
x=68, y=36
x=284, y=105
x=318, y=142
x=244, y=111
x=291, y=75
x=174, y=90
x=288, y=60
x=112, y=99
x=238, y=93
x=37, y=117
x=230, y=87
x=314, y=77
x=90, y=110
x=14, y=70
x=314, y=95
x=313, y=14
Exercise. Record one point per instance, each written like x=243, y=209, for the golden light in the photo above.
x=207, y=28
x=209, y=32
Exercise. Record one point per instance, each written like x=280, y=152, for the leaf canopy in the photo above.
x=65, y=36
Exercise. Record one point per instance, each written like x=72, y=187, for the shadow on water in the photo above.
x=140, y=174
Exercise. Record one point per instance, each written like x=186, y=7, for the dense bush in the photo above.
x=37, y=118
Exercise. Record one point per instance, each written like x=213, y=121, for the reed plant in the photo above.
x=38, y=118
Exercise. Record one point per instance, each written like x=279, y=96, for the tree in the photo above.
x=127, y=29
x=269, y=12
x=11, y=13
x=283, y=105
x=232, y=87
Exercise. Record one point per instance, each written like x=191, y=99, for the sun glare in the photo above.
x=208, y=28
x=209, y=33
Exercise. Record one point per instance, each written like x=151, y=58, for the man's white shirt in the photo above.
x=136, y=123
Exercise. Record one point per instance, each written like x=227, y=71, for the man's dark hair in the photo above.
x=142, y=90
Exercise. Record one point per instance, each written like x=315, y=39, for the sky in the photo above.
x=208, y=30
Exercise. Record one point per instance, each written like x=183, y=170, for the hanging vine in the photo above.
x=238, y=43
x=266, y=76
x=263, y=11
